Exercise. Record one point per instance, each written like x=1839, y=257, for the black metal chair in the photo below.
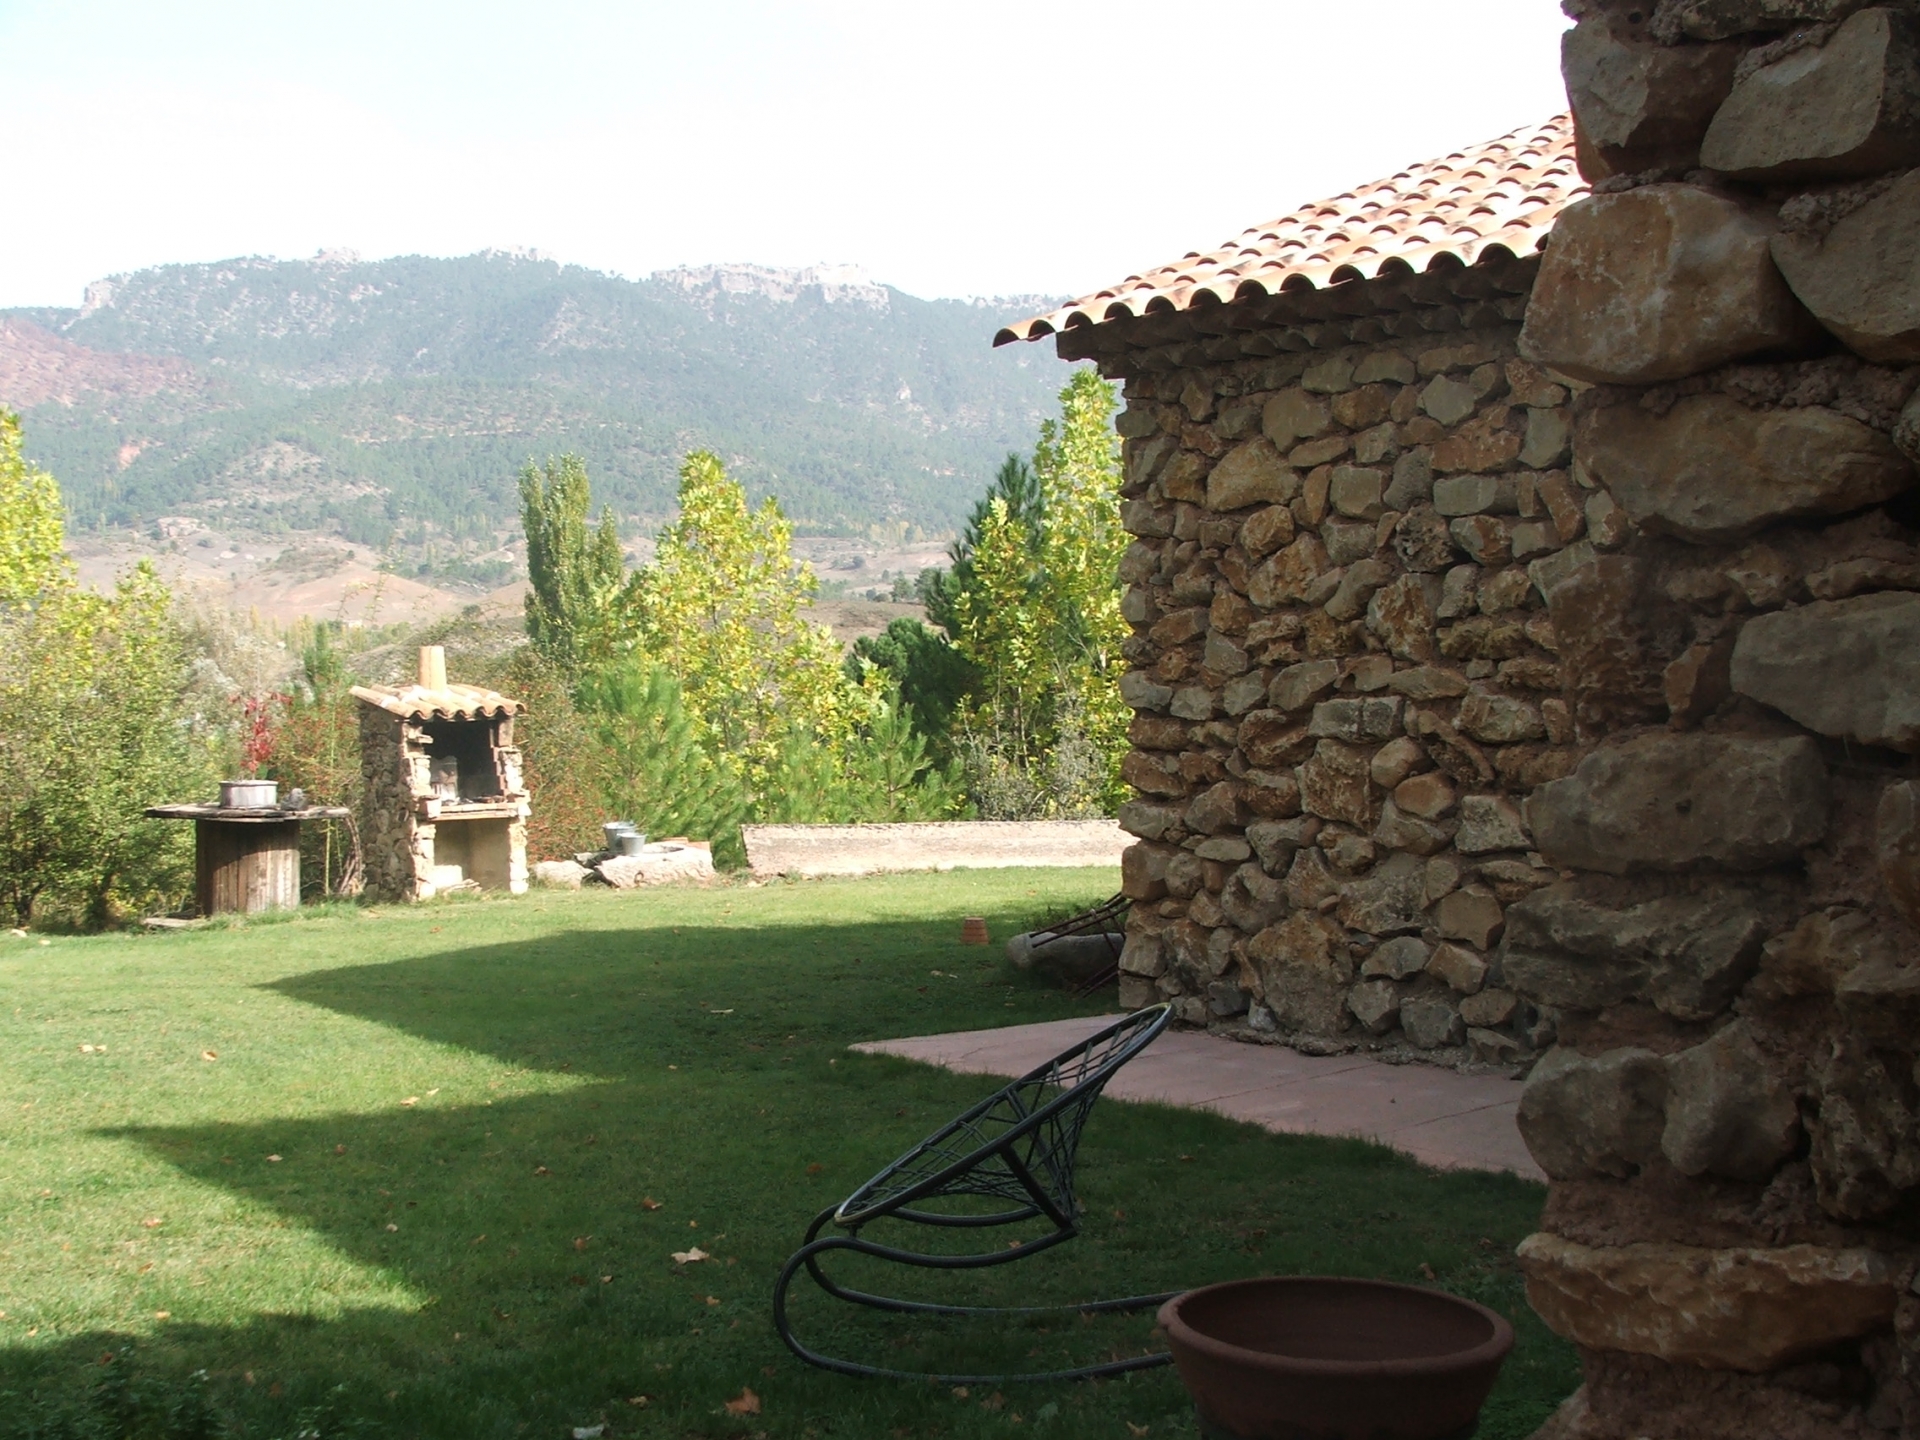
x=1016, y=1147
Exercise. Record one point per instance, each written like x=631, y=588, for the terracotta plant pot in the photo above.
x=1318, y=1358
x=973, y=930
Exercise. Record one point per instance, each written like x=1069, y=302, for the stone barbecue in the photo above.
x=1526, y=668
x=445, y=805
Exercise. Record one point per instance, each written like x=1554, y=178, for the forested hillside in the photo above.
x=394, y=401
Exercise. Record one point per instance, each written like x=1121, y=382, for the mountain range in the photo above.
x=393, y=402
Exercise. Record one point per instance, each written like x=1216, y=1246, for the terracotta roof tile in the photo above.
x=1496, y=199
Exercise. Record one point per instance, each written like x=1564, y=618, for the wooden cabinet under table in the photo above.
x=246, y=860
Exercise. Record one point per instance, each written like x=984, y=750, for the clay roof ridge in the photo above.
x=1497, y=199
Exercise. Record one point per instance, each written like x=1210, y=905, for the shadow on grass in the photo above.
x=717, y=1108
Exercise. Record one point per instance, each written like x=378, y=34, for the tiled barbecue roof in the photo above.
x=453, y=702
x=1498, y=199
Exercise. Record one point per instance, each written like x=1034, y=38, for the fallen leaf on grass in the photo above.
x=411, y=1100
x=152, y=1221
x=209, y=1054
x=960, y=1392
x=588, y=1432
x=649, y=1203
x=273, y=1159
x=163, y=1314
x=478, y=1238
x=642, y=1401
x=393, y=1229
x=815, y=1168
x=1427, y=1270
x=580, y=1241
x=713, y=1300
x=745, y=1403
x=339, y=1149
x=541, y=1170
x=689, y=1257
x=1134, y=1429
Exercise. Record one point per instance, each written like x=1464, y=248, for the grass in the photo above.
x=421, y=1172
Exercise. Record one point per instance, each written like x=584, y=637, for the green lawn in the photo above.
x=422, y=1172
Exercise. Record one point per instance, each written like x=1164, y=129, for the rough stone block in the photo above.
x=1712, y=469
x=1497, y=719
x=1640, y=106
x=560, y=874
x=1594, y=1115
x=1375, y=1004
x=1253, y=899
x=1218, y=808
x=1484, y=539
x=1861, y=277
x=1304, y=974
x=1357, y=490
x=1348, y=541
x=1143, y=871
x=1727, y=1114
x=1826, y=112
x=1193, y=702
x=1293, y=415
x=1448, y=399
x=1400, y=958
x=1357, y=720
x=1297, y=686
x=1897, y=846
x=1334, y=785
x=1147, y=820
x=1394, y=761
x=1430, y=1022
x=1400, y=831
x=1657, y=283
x=1428, y=682
x=1669, y=802
x=1471, y=914
x=1139, y=691
x=1287, y=577
x=1252, y=473
x=1402, y=614
x=1391, y=898
x=1866, y=1130
x=1687, y=954
x=1490, y=1008
x=1475, y=495
x=1845, y=668
x=1427, y=796
x=1488, y=823
x=1735, y=1309
x=1463, y=971
x=1270, y=738
x=1675, y=20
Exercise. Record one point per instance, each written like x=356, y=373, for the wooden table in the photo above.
x=246, y=859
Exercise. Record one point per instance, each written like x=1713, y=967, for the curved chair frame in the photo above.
x=1016, y=1146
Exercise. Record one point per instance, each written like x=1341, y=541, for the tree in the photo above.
x=31, y=555
x=573, y=575
x=933, y=678
x=719, y=609
x=1033, y=602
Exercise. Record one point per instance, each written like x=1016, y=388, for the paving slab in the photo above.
x=1440, y=1117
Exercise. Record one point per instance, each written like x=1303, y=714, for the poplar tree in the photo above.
x=574, y=575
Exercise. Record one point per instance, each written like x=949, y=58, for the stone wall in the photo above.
x=1347, y=680
x=1549, y=695
x=1731, y=1117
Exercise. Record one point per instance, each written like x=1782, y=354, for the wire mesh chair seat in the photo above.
x=1015, y=1148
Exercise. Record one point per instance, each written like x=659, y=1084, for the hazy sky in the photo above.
x=992, y=147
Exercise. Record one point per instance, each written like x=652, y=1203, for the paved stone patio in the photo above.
x=1439, y=1117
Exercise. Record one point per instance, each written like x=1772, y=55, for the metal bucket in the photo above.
x=613, y=830
x=249, y=794
x=631, y=842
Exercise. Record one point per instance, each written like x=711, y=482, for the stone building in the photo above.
x=1525, y=655
x=444, y=806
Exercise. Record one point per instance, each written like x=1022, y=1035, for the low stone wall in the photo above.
x=814, y=850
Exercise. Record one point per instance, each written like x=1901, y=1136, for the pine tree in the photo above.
x=573, y=575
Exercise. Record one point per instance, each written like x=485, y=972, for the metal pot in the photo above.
x=631, y=842
x=249, y=794
x=613, y=830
